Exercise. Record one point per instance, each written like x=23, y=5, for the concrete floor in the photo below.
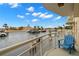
x=60, y=52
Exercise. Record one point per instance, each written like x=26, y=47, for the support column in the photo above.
x=77, y=29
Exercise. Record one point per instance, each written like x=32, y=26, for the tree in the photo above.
x=6, y=26
x=13, y=28
x=34, y=27
x=38, y=27
x=28, y=25
x=21, y=28
x=42, y=28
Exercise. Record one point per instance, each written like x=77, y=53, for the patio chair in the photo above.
x=68, y=43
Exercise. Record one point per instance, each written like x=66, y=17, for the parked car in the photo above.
x=33, y=31
x=43, y=31
x=3, y=34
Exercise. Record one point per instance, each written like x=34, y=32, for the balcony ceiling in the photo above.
x=69, y=9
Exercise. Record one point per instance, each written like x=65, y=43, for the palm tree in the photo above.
x=34, y=27
x=38, y=27
x=28, y=25
x=6, y=26
x=42, y=28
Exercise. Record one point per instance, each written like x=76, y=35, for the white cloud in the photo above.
x=27, y=13
x=30, y=9
x=42, y=15
x=46, y=16
x=13, y=5
x=58, y=17
x=34, y=20
x=36, y=14
x=20, y=16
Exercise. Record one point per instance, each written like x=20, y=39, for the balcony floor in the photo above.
x=60, y=52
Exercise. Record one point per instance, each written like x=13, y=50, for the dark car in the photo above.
x=33, y=31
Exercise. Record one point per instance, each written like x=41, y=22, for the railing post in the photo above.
x=55, y=40
x=41, y=48
x=59, y=43
x=50, y=35
x=49, y=41
x=33, y=50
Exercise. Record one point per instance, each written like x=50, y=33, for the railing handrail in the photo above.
x=4, y=50
x=30, y=48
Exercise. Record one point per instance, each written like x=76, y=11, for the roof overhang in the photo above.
x=69, y=9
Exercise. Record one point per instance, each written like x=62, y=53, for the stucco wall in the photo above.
x=77, y=29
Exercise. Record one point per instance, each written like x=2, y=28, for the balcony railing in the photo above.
x=33, y=47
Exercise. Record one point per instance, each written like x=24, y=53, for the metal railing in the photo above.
x=33, y=47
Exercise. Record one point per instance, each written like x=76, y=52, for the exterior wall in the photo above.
x=76, y=9
x=77, y=29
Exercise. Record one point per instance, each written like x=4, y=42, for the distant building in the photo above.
x=24, y=28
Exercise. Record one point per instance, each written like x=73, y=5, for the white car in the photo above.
x=3, y=34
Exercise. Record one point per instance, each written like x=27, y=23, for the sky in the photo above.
x=34, y=14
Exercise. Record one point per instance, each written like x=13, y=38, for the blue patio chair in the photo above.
x=68, y=43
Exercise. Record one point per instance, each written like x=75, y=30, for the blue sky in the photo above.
x=35, y=14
